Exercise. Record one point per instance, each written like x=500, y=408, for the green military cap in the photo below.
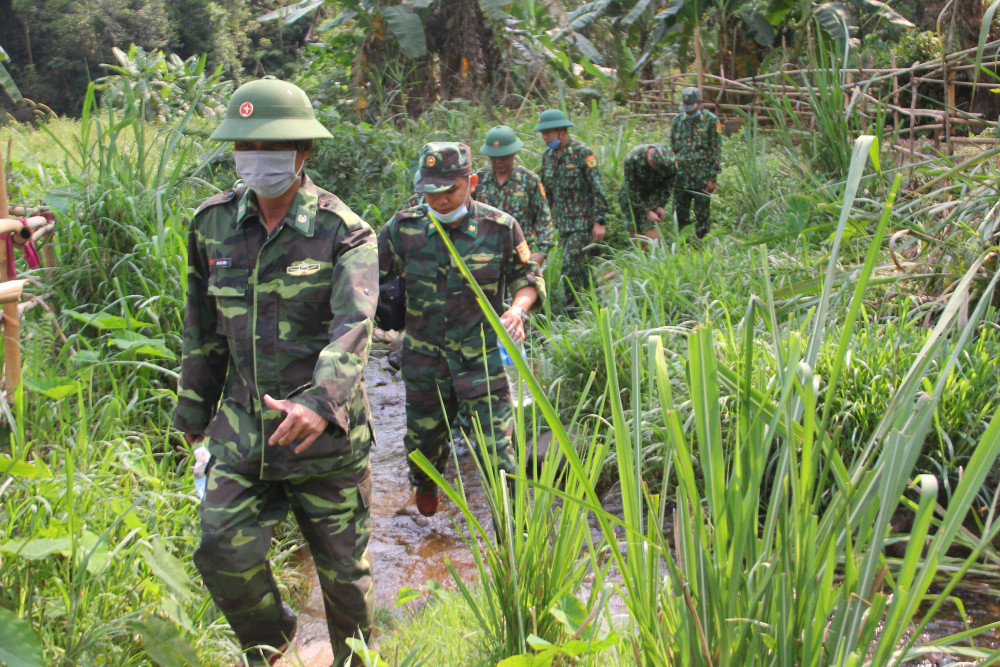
x=269, y=109
x=501, y=141
x=690, y=99
x=441, y=162
x=552, y=119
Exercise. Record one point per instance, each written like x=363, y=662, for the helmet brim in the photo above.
x=552, y=125
x=270, y=129
x=502, y=151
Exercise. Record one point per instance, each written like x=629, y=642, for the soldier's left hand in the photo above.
x=514, y=325
x=299, y=423
x=710, y=187
x=597, y=233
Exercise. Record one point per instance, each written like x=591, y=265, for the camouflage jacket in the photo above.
x=574, y=188
x=646, y=188
x=697, y=143
x=441, y=309
x=523, y=197
x=287, y=314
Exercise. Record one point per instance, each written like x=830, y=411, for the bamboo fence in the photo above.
x=867, y=88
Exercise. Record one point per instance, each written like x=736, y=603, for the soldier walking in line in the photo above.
x=515, y=190
x=450, y=354
x=575, y=191
x=281, y=292
x=649, y=180
x=696, y=137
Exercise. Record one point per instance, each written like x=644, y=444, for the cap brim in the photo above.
x=434, y=184
x=268, y=129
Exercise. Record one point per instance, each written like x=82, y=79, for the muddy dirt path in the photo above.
x=407, y=549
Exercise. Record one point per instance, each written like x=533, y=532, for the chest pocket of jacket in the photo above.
x=485, y=268
x=228, y=287
x=304, y=304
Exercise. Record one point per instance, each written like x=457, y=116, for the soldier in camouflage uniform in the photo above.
x=450, y=354
x=515, y=190
x=649, y=179
x=282, y=287
x=575, y=191
x=696, y=137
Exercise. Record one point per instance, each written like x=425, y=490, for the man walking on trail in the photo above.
x=575, y=191
x=282, y=287
x=696, y=137
x=515, y=190
x=649, y=179
x=450, y=354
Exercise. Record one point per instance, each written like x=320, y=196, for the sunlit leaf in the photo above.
x=106, y=321
x=166, y=644
x=291, y=13
x=169, y=569
x=19, y=645
x=38, y=469
x=409, y=31
x=54, y=387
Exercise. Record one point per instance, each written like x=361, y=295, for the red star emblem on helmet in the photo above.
x=430, y=160
x=246, y=109
x=496, y=144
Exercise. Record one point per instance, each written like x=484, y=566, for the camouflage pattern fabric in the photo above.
x=523, y=198
x=646, y=188
x=449, y=346
x=697, y=143
x=238, y=516
x=287, y=314
x=575, y=190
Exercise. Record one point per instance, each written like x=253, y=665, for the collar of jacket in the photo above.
x=467, y=226
x=301, y=215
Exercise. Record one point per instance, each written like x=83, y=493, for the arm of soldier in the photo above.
x=541, y=223
x=715, y=154
x=512, y=320
x=522, y=273
x=389, y=262
x=592, y=173
x=341, y=363
x=205, y=356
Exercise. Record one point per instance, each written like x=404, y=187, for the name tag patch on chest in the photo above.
x=220, y=262
x=303, y=268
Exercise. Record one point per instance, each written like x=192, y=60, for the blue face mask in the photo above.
x=554, y=144
x=454, y=216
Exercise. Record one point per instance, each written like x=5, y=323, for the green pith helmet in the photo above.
x=269, y=109
x=501, y=141
x=552, y=119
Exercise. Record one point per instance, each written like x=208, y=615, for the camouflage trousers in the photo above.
x=437, y=386
x=238, y=516
x=702, y=201
x=576, y=259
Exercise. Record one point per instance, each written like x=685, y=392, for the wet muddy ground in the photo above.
x=407, y=549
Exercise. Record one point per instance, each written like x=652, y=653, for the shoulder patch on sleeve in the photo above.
x=541, y=188
x=218, y=198
x=523, y=252
x=719, y=128
x=592, y=162
x=335, y=205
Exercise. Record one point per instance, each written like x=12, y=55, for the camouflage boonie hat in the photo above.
x=441, y=162
x=690, y=99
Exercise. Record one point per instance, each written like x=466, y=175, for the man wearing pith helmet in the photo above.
x=515, y=190
x=575, y=191
x=696, y=137
x=281, y=292
x=450, y=354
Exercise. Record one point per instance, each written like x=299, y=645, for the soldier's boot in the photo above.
x=426, y=498
x=260, y=655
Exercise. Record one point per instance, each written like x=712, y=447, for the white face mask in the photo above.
x=454, y=216
x=268, y=173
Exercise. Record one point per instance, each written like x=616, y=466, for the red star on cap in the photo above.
x=246, y=109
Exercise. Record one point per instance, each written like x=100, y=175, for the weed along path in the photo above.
x=407, y=549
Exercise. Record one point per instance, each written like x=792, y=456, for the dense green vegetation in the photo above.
x=773, y=396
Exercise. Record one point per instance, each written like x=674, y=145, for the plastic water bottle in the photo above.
x=199, y=470
x=513, y=378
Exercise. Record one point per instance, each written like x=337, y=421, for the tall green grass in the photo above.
x=777, y=551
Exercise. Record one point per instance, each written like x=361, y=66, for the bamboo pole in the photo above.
x=11, y=316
